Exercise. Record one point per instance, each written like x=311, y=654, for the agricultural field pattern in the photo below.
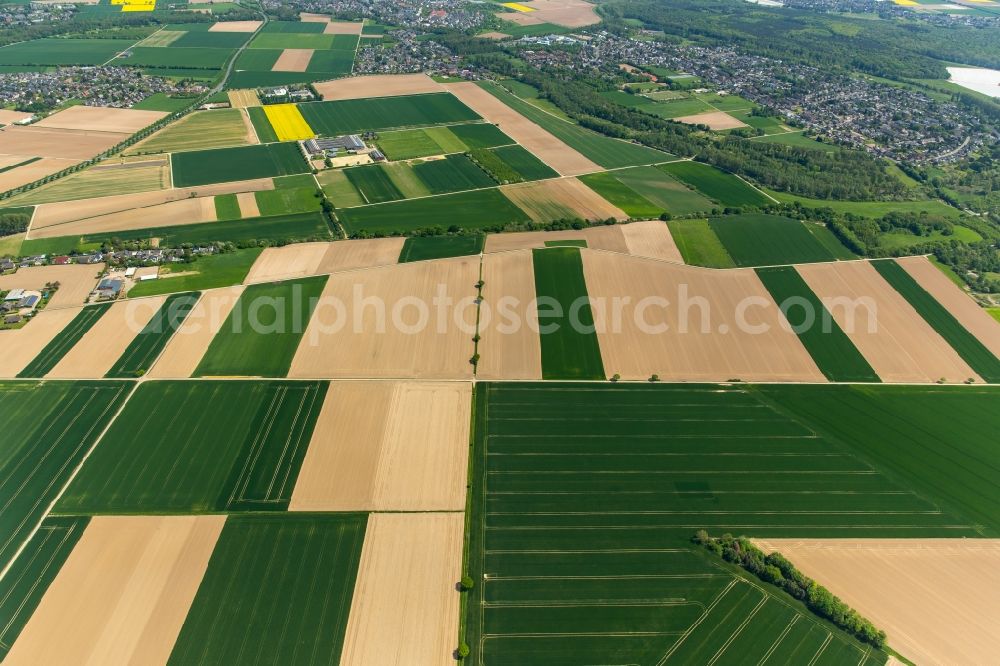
x=541, y=333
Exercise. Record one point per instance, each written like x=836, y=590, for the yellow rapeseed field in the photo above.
x=516, y=6
x=288, y=123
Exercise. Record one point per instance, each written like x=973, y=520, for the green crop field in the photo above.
x=717, y=185
x=261, y=125
x=262, y=333
x=950, y=454
x=227, y=207
x=768, y=240
x=203, y=39
x=48, y=429
x=605, y=151
x=834, y=353
x=447, y=138
x=726, y=102
x=662, y=191
x=524, y=163
x=478, y=209
x=617, y=193
x=182, y=446
x=421, y=248
x=333, y=62
x=57, y=51
x=373, y=183
x=584, y=497
x=200, y=58
x=199, y=130
x=257, y=60
x=211, y=272
x=452, y=174
x=338, y=188
x=203, y=167
x=358, y=115
x=687, y=106
x=301, y=27
x=828, y=240
x=406, y=180
x=797, y=140
x=164, y=102
x=285, y=40
x=53, y=352
x=699, y=245
x=297, y=194
x=276, y=589
x=481, y=135
x=569, y=349
x=151, y=340
x=407, y=144
x=30, y=575
x=968, y=346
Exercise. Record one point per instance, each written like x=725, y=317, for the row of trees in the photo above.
x=778, y=571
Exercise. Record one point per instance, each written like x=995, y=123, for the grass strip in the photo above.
x=570, y=349
x=964, y=343
x=835, y=355
x=53, y=352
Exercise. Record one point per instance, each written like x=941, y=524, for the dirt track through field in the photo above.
x=76, y=282
x=292, y=60
x=21, y=346
x=67, y=211
x=508, y=352
x=107, y=340
x=305, y=259
x=889, y=333
x=714, y=120
x=540, y=143
x=975, y=319
x=537, y=199
x=388, y=446
x=101, y=119
x=174, y=213
x=185, y=349
x=123, y=593
x=937, y=599
x=405, y=606
x=705, y=340
x=379, y=333
x=384, y=85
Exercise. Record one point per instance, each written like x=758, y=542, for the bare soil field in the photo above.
x=889, y=333
x=651, y=239
x=76, y=281
x=968, y=313
x=292, y=60
x=101, y=119
x=123, y=593
x=493, y=35
x=714, y=120
x=387, y=85
x=235, y=26
x=32, y=172
x=388, y=446
x=107, y=340
x=704, y=339
x=187, y=346
x=540, y=198
x=241, y=99
x=50, y=214
x=405, y=606
x=598, y=237
x=248, y=204
x=174, y=213
x=305, y=259
x=7, y=116
x=307, y=17
x=343, y=28
x=22, y=345
x=522, y=18
x=536, y=140
x=505, y=351
x=66, y=144
x=935, y=598
x=388, y=326
x=568, y=13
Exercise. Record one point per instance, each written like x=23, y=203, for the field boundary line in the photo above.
x=781, y=637
x=739, y=629
x=134, y=387
x=694, y=625
x=822, y=648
